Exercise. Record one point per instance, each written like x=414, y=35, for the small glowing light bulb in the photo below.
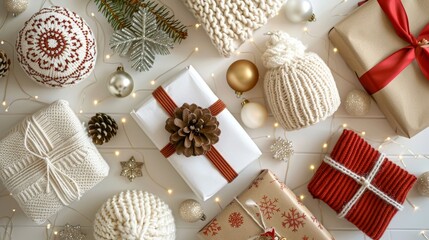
x=379, y=147
x=325, y=145
x=48, y=226
x=212, y=74
x=152, y=82
x=81, y=111
x=302, y=197
x=123, y=120
x=92, y=14
x=107, y=56
x=6, y=110
x=95, y=102
x=14, y=210
x=268, y=136
x=388, y=139
x=36, y=97
x=2, y=42
x=344, y=125
x=363, y=133
x=312, y=167
x=416, y=208
x=305, y=29
x=217, y=199
x=335, y=50
x=3, y=103
x=170, y=191
x=117, y=153
x=55, y=233
x=197, y=25
x=134, y=94
x=276, y=124
x=196, y=49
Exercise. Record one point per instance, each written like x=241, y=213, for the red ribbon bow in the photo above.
x=384, y=72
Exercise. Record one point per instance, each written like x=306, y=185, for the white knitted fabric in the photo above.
x=134, y=215
x=231, y=22
x=48, y=161
x=56, y=47
x=299, y=87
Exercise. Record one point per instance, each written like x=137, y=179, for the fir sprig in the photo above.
x=119, y=15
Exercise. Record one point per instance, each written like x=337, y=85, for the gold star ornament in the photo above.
x=131, y=169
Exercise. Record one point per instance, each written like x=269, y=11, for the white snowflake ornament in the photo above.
x=282, y=149
x=71, y=232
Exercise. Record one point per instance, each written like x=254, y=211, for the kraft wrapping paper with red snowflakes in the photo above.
x=280, y=208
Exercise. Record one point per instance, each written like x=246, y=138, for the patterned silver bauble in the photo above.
x=191, y=211
x=357, y=103
x=282, y=149
x=299, y=11
x=16, y=6
x=423, y=184
x=121, y=83
x=70, y=232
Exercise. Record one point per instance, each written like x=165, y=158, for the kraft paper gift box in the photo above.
x=48, y=161
x=367, y=37
x=235, y=147
x=281, y=209
x=361, y=184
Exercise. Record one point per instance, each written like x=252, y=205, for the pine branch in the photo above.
x=119, y=14
x=173, y=27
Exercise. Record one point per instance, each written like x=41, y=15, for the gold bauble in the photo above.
x=242, y=76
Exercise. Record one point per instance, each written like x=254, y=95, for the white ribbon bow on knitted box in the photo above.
x=47, y=162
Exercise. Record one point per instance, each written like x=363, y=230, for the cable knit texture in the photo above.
x=134, y=215
x=230, y=23
x=299, y=86
x=47, y=161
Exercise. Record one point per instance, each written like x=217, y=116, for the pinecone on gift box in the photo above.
x=101, y=128
x=4, y=64
x=193, y=130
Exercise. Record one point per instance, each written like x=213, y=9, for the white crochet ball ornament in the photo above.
x=56, y=48
x=299, y=86
x=134, y=215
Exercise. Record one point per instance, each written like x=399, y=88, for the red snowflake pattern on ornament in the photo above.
x=235, y=219
x=212, y=229
x=268, y=206
x=316, y=221
x=255, y=183
x=293, y=219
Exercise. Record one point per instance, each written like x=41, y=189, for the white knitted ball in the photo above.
x=299, y=86
x=134, y=215
x=56, y=48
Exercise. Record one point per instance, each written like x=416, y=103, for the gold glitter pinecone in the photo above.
x=193, y=130
x=4, y=64
x=101, y=128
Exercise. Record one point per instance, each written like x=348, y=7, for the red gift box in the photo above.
x=370, y=212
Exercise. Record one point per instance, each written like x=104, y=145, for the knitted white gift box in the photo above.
x=47, y=161
x=230, y=23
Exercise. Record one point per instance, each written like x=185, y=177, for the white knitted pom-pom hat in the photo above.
x=299, y=86
x=134, y=215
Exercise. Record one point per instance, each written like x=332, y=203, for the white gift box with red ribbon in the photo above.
x=235, y=146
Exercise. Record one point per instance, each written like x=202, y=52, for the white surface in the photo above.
x=308, y=142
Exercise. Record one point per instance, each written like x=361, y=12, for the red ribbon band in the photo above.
x=162, y=97
x=385, y=71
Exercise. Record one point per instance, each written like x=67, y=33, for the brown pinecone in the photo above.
x=101, y=128
x=193, y=130
x=4, y=64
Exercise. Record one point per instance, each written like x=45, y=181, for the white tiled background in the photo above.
x=158, y=174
